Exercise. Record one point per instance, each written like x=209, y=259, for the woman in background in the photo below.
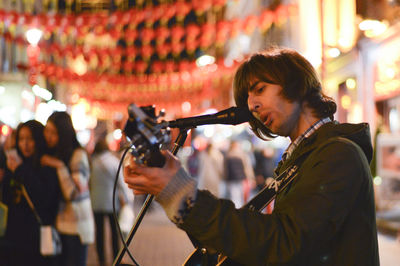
x=75, y=218
x=104, y=169
x=21, y=243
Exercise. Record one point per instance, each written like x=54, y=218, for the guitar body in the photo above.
x=200, y=257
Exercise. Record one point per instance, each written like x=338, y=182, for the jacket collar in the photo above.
x=305, y=146
x=358, y=133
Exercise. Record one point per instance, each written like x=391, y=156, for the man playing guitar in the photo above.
x=325, y=214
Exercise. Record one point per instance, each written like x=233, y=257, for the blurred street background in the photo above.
x=92, y=59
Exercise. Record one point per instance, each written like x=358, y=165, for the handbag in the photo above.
x=50, y=242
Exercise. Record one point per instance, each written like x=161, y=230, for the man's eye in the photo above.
x=259, y=90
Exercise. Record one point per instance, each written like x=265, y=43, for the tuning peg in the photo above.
x=161, y=113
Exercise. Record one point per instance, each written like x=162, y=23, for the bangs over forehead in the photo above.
x=258, y=67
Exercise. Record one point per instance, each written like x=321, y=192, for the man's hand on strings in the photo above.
x=150, y=180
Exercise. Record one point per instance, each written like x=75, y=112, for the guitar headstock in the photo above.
x=146, y=135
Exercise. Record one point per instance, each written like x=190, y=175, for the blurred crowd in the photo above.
x=233, y=172
x=72, y=190
x=48, y=179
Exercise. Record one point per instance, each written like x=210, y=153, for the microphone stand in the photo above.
x=179, y=142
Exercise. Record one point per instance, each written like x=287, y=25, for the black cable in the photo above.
x=114, y=211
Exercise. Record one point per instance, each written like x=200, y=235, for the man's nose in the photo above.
x=254, y=106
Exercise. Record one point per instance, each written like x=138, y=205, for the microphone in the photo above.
x=230, y=116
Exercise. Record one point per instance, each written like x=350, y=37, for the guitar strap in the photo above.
x=269, y=192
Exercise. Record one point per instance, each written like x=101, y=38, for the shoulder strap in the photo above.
x=269, y=192
x=28, y=199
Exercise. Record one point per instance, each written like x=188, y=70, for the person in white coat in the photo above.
x=104, y=170
x=211, y=171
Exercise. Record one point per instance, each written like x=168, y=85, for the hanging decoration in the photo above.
x=146, y=53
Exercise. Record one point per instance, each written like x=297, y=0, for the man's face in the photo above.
x=273, y=109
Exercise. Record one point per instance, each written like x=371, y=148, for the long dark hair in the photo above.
x=67, y=140
x=290, y=70
x=36, y=129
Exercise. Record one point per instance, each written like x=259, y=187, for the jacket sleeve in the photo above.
x=311, y=211
x=74, y=182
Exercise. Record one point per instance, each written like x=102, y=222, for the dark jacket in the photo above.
x=23, y=230
x=234, y=169
x=326, y=216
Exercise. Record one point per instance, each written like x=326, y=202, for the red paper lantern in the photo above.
x=208, y=35
x=177, y=33
x=147, y=35
x=192, y=31
x=250, y=24
x=266, y=19
x=177, y=49
x=222, y=34
x=170, y=66
x=114, y=17
x=137, y=17
x=182, y=9
x=170, y=12
x=191, y=45
x=159, y=11
x=99, y=30
x=200, y=6
x=163, y=50
x=281, y=13
x=130, y=35
x=126, y=18
x=114, y=33
x=157, y=67
x=146, y=51
x=236, y=26
x=218, y=4
x=130, y=52
x=128, y=67
x=184, y=65
x=162, y=33
x=140, y=66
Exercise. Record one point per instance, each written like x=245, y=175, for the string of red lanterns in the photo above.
x=164, y=87
x=108, y=59
x=77, y=27
x=118, y=19
x=172, y=80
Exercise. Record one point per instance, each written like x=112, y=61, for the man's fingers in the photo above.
x=136, y=181
x=138, y=188
x=139, y=192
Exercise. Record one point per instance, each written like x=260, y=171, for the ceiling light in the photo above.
x=205, y=60
x=33, y=36
x=333, y=52
x=372, y=27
